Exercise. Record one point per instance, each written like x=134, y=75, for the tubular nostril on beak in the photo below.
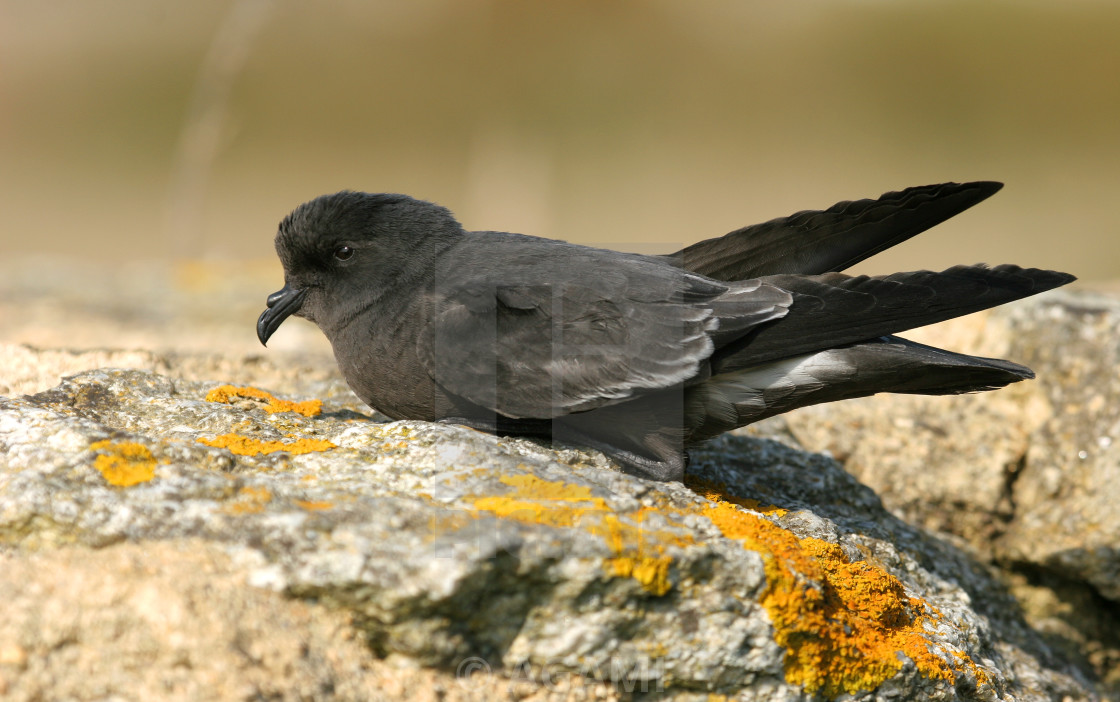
x=281, y=305
x=275, y=297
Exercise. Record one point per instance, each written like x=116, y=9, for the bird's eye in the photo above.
x=343, y=253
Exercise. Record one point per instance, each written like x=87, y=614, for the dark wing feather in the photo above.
x=571, y=329
x=887, y=364
x=834, y=309
x=830, y=240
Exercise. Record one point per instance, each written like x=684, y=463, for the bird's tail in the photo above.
x=887, y=364
x=834, y=309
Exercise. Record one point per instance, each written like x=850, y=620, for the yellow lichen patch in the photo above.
x=124, y=463
x=843, y=625
x=250, y=500
x=717, y=492
x=314, y=506
x=639, y=552
x=651, y=571
x=539, y=501
x=248, y=446
x=228, y=394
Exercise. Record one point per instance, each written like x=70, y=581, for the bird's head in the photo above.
x=340, y=251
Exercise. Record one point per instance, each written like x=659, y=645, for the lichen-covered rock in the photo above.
x=1029, y=476
x=771, y=574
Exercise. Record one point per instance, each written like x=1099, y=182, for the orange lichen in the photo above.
x=124, y=463
x=716, y=492
x=228, y=394
x=652, y=572
x=250, y=500
x=639, y=553
x=843, y=624
x=313, y=506
x=248, y=446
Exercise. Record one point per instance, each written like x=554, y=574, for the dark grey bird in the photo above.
x=637, y=356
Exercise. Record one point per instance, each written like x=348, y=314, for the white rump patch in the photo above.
x=808, y=372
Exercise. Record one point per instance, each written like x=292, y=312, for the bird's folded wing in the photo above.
x=834, y=309
x=534, y=344
x=823, y=241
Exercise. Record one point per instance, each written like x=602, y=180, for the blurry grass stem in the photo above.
x=205, y=126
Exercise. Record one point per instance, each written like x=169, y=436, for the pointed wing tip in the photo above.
x=1015, y=372
x=993, y=186
x=973, y=191
x=987, y=188
x=978, y=190
x=1040, y=279
x=1061, y=279
x=1048, y=280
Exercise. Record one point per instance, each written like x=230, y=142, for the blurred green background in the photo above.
x=147, y=129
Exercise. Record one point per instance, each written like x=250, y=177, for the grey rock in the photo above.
x=456, y=550
x=177, y=621
x=1028, y=476
x=1067, y=488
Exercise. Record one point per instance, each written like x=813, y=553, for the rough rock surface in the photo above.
x=175, y=620
x=772, y=575
x=1029, y=476
x=432, y=562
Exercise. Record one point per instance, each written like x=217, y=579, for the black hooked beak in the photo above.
x=281, y=305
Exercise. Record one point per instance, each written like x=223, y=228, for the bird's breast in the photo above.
x=379, y=357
